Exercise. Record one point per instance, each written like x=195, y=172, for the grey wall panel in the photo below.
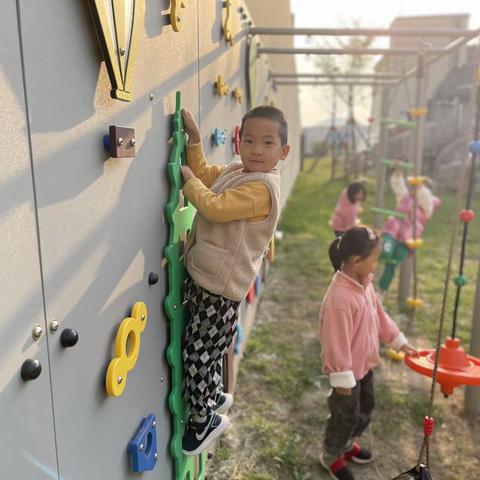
x=216, y=57
x=27, y=444
x=277, y=13
x=101, y=226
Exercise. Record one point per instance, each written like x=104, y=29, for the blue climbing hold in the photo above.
x=474, y=147
x=239, y=339
x=143, y=447
x=106, y=142
x=219, y=136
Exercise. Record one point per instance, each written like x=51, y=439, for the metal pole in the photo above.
x=382, y=76
x=472, y=394
x=407, y=268
x=327, y=83
x=333, y=136
x=377, y=32
x=344, y=51
x=381, y=153
x=448, y=49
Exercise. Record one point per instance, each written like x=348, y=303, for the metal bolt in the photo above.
x=174, y=307
x=132, y=142
x=54, y=326
x=37, y=332
x=181, y=421
x=178, y=19
x=141, y=446
x=119, y=380
x=154, y=424
x=156, y=455
x=162, y=379
x=120, y=141
x=152, y=96
x=143, y=317
x=122, y=52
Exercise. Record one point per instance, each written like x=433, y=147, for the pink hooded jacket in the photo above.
x=345, y=214
x=427, y=204
x=352, y=321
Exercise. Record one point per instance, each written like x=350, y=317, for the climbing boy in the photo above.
x=237, y=213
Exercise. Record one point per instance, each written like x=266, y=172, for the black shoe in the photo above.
x=198, y=436
x=338, y=470
x=224, y=402
x=358, y=454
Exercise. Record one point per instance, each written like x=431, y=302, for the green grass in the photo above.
x=279, y=419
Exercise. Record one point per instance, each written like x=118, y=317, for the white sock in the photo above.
x=198, y=419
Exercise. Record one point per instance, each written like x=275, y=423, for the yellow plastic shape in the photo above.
x=414, y=243
x=118, y=27
x=271, y=250
x=394, y=355
x=128, y=335
x=416, y=181
x=237, y=94
x=418, y=112
x=175, y=14
x=221, y=87
x=414, y=302
x=227, y=30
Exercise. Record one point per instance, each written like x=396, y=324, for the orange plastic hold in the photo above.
x=455, y=367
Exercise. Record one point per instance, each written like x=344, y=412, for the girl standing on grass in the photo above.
x=352, y=321
x=349, y=205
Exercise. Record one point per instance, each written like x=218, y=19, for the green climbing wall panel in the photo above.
x=180, y=218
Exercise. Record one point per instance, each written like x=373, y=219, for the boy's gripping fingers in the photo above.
x=191, y=127
x=187, y=173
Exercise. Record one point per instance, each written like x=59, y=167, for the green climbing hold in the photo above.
x=180, y=217
x=399, y=123
x=460, y=280
x=392, y=213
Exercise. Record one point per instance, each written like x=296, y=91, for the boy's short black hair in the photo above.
x=355, y=188
x=270, y=113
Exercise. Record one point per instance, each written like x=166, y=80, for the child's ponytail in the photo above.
x=334, y=254
x=358, y=241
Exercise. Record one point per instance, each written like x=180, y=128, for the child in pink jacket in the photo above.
x=397, y=231
x=348, y=207
x=352, y=321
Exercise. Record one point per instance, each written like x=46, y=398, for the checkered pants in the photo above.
x=208, y=335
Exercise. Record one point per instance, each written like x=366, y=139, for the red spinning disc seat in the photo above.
x=455, y=367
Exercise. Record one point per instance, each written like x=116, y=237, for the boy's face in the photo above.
x=260, y=146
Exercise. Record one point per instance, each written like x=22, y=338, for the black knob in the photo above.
x=69, y=338
x=31, y=369
x=152, y=278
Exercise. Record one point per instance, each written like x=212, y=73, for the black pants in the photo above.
x=208, y=335
x=349, y=415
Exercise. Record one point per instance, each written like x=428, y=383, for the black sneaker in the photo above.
x=358, y=454
x=198, y=436
x=338, y=470
x=224, y=402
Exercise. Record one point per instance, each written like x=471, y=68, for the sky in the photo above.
x=316, y=101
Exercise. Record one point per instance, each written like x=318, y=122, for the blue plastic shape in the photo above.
x=474, y=147
x=239, y=339
x=258, y=285
x=219, y=137
x=143, y=447
x=106, y=142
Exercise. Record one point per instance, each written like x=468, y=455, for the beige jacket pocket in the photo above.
x=208, y=259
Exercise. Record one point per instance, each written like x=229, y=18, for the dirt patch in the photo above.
x=280, y=409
